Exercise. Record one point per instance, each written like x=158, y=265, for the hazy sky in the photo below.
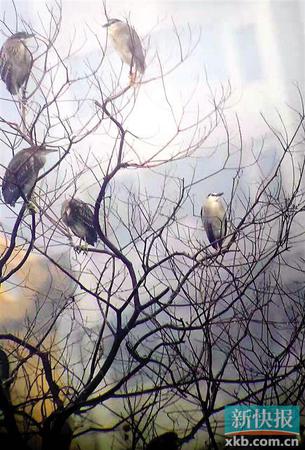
x=258, y=46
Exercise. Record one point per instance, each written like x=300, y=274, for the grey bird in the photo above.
x=22, y=172
x=166, y=441
x=79, y=217
x=214, y=219
x=128, y=44
x=16, y=61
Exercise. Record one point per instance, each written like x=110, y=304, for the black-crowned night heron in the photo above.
x=16, y=61
x=214, y=219
x=22, y=173
x=78, y=216
x=166, y=441
x=128, y=44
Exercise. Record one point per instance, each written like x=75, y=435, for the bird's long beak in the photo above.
x=48, y=150
x=30, y=35
x=106, y=25
x=51, y=150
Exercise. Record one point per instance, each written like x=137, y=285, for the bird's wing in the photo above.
x=3, y=63
x=210, y=234
x=7, y=77
x=135, y=47
x=6, y=71
x=4, y=66
x=23, y=64
x=20, y=170
x=224, y=225
x=84, y=213
x=84, y=220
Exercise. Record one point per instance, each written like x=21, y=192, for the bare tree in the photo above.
x=151, y=330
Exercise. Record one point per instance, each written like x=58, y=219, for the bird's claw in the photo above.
x=32, y=207
x=81, y=248
x=132, y=78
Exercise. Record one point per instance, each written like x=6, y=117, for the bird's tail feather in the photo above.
x=91, y=237
x=6, y=76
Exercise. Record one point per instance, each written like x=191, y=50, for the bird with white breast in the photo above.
x=214, y=219
x=128, y=45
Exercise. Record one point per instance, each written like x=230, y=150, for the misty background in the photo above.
x=254, y=48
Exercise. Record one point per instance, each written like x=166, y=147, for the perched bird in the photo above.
x=22, y=172
x=78, y=216
x=128, y=44
x=214, y=219
x=16, y=61
x=166, y=441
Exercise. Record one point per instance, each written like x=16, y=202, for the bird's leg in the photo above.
x=31, y=203
x=131, y=79
x=77, y=247
x=81, y=247
x=32, y=207
x=22, y=103
x=132, y=75
x=70, y=240
x=84, y=248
